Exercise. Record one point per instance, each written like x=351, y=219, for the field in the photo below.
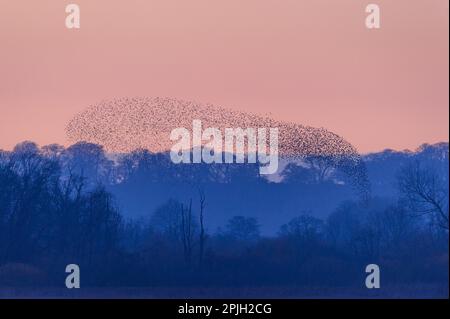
x=394, y=292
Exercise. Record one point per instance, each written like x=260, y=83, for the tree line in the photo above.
x=55, y=209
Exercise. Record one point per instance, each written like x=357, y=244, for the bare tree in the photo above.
x=202, y=235
x=187, y=230
x=425, y=191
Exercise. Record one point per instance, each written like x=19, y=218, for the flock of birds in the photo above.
x=126, y=124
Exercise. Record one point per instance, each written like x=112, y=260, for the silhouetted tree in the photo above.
x=167, y=220
x=425, y=191
x=245, y=229
x=304, y=227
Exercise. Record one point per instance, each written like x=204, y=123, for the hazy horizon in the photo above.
x=414, y=149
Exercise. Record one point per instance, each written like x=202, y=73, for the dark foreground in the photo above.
x=394, y=292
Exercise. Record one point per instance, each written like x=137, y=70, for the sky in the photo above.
x=312, y=61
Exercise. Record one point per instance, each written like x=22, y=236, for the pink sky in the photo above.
x=309, y=61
